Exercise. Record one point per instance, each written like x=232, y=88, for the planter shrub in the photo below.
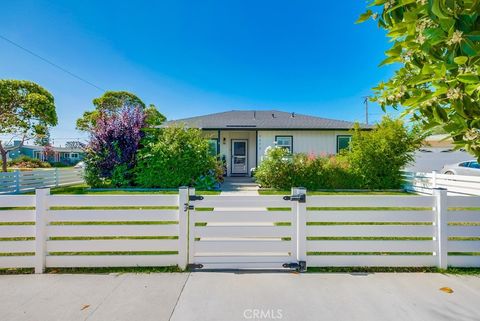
x=282, y=171
x=176, y=156
x=374, y=161
x=378, y=156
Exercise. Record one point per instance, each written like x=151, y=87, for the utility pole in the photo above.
x=366, y=108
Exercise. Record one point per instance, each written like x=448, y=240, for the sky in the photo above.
x=193, y=58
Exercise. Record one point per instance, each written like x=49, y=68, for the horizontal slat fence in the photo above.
x=380, y=230
x=26, y=181
x=455, y=184
x=43, y=230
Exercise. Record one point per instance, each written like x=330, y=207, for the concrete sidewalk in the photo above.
x=239, y=296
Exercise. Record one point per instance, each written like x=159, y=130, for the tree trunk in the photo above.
x=4, y=160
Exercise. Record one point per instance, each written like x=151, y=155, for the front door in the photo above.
x=239, y=156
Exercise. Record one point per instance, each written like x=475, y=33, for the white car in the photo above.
x=471, y=168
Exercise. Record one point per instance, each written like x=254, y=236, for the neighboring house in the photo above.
x=241, y=137
x=68, y=156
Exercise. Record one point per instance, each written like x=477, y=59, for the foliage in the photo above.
x=75, y=144
x=374, y=161
x=26, y=111
x=283, y=171
x=114, y=102
x=207, y=182
x=173, y=157
x=437, y=45
x=113, y=145
x=378, y=156
x=27, y=162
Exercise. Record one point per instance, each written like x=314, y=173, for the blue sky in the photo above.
x=197, y=57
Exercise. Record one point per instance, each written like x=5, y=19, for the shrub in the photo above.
x=282, y=171
x=27, y=162
x=111, y=152
x=377, y=157
x=173, y=157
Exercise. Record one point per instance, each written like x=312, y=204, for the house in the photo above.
x=68, y=156
x=241, y=137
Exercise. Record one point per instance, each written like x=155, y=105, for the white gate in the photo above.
x=243, y=232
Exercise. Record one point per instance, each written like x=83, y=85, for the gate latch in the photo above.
x=192, y=198
x=194, y=266
x=301, y=266
x=301, y=198
x=187, y=207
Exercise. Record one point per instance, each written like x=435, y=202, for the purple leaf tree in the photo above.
x=114, y=142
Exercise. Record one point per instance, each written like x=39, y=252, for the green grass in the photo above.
x=312, y=193
x=84, y=189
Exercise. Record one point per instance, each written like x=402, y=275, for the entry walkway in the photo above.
x=239, y=186
x=239, y=296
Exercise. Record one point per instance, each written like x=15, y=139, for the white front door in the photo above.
x=239, y=156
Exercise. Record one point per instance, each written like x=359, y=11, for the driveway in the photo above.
x=239, y=296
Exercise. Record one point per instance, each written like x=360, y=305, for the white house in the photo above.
x=241, y=137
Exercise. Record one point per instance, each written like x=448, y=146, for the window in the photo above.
x=285, y=142
x=343, y=142
x=474, y=165
x=464, y=164
x=212, y=146
x=74, y=155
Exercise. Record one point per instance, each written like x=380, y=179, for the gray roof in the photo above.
x=262, y=119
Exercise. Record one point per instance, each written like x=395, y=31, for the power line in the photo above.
x=51, y=63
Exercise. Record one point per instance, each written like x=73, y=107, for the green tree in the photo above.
x=436, y=44
x=175, y=156
x=378, y=156
x=26, y=112
x=113, y=102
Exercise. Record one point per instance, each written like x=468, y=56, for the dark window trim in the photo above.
x=342, y=136
x=247, y=156
x=291, y=136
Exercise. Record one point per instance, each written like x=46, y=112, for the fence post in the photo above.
x=441, y=223
x=301, y=224
x=17, y=181
x=191, y=229
x=434, y=179
x=41, y=212
x=57, y=179
x=183, y=227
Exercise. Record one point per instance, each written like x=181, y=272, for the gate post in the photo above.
x=41, y=211
x=301, y=223
x=441, y=224
x=183, y=227
x=191, y=229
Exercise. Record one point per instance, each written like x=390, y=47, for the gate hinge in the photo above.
x=194, y=266
x=301, y=266
x=301, y=198
x=195, y=198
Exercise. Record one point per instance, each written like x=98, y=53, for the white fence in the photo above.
x=25, y=181
x=213, y=232
x=455, y=184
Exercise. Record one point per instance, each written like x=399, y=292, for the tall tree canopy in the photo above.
x=436, y=44
x=26, y=112
x=114, y=102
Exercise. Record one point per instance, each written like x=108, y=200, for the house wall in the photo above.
x=225, y=140
x=304, y=141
